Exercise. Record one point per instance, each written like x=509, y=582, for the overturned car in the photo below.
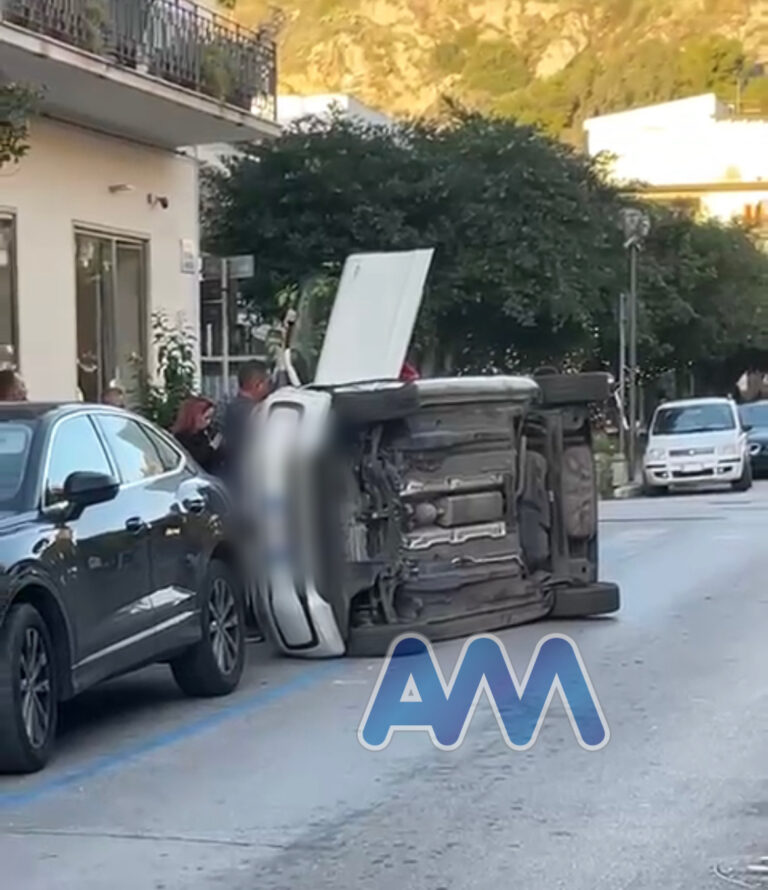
x=444, y=506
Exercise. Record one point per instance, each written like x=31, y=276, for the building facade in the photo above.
x=99, y=221
x=291, y=108
x=693, y=151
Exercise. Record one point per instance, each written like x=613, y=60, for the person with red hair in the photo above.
x=192, y=431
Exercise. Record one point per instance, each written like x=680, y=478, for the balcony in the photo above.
x=166, y=71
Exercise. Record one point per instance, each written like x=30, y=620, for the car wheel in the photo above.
x=28, y=691
x=600, y=598
x=654, y=491
x=744, y=483
x=214, y=665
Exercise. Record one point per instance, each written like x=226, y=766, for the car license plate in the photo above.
x=693, y=468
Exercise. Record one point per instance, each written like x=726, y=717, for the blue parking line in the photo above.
x=110, y=762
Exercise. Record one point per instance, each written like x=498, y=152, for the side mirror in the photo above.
x=83, y=489
x=746, y=427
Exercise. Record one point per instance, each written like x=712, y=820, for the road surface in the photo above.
x=270, y=789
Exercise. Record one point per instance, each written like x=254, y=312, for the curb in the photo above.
x=633, y=490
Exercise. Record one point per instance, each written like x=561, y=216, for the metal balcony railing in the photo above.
x=176, y=40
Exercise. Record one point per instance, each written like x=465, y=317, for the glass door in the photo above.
x=111, y=307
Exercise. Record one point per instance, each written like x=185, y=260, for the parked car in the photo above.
x=442, y=506
x=754, y=419
x=696, y=441
x=115, y=553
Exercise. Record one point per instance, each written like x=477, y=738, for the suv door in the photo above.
x=156, y=472
x=102, y=556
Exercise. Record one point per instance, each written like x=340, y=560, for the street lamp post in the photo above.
x=622, y=370
x=636, y=225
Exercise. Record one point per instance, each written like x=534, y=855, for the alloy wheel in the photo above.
x=224, y=626
x=35, y=687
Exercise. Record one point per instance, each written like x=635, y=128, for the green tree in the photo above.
x=529, y=259
x=526, y=244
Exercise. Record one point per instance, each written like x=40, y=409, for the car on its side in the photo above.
x=754, y=419
x=696, y=442
x=443, y=506
x=115, y=552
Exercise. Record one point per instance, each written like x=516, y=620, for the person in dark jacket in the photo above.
x=192, y=430
x=254, y=387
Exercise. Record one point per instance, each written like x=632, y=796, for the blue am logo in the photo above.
x=412, y=695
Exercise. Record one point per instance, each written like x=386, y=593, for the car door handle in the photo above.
x=194, y=505
x=135, y=525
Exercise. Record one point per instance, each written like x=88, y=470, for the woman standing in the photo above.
x=192, y=430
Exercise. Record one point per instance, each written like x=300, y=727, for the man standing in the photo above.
x=253, y=383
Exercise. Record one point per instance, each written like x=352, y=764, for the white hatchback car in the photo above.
x=695, y=442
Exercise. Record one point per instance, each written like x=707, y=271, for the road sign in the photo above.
x=241, y=266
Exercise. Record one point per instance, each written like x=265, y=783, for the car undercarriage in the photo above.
x=447, y=506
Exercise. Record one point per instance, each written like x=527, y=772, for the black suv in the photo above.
x=115, y=552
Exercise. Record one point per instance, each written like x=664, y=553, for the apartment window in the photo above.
x=7, y=288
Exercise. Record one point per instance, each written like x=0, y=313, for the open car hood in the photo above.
x=373, y=316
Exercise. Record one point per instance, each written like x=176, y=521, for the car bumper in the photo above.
x=665, y=474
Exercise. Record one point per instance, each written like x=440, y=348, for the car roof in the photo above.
x=692, y=403
x=51, y=410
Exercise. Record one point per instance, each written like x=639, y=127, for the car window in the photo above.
x=75, y=448
x=705, y=418
x=15, y=440
x=755, y=414
x=135, y=455
x=169, y=456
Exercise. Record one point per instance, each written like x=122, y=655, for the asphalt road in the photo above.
x=270, y=788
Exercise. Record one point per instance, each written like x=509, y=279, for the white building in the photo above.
x=292, y=108
x=694, y=150
x=99, y=222
x=324, y=105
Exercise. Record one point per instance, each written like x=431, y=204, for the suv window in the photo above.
x=75, y=448
x=136, y=456
x=169, y=456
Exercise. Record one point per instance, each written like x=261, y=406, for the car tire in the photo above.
x=654, y=491
x=600, y=598
x=369, y=405
x=28, y=716
x=744, y=483
x=214, y=666
x=572, y=389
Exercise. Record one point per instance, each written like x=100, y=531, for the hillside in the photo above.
x=548, y=61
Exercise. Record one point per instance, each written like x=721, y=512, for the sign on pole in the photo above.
x=241, y=267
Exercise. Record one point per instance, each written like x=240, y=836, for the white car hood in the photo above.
x=373, y=315
x=686, y=441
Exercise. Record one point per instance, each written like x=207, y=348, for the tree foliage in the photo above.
x=529, y=259
x=17, y=104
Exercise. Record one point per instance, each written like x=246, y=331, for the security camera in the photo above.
x=158, y=201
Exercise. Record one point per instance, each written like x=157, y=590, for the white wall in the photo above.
x=291, y=108
x=63, y=182
x=686, y=142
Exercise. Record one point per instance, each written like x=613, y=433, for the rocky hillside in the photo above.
x=513, y=55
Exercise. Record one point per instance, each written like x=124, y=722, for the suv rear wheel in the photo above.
x=214, y=666
x=28, y=691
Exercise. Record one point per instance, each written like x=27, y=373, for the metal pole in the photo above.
x=225, y=326
x=622, y=370
x=633, y=250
